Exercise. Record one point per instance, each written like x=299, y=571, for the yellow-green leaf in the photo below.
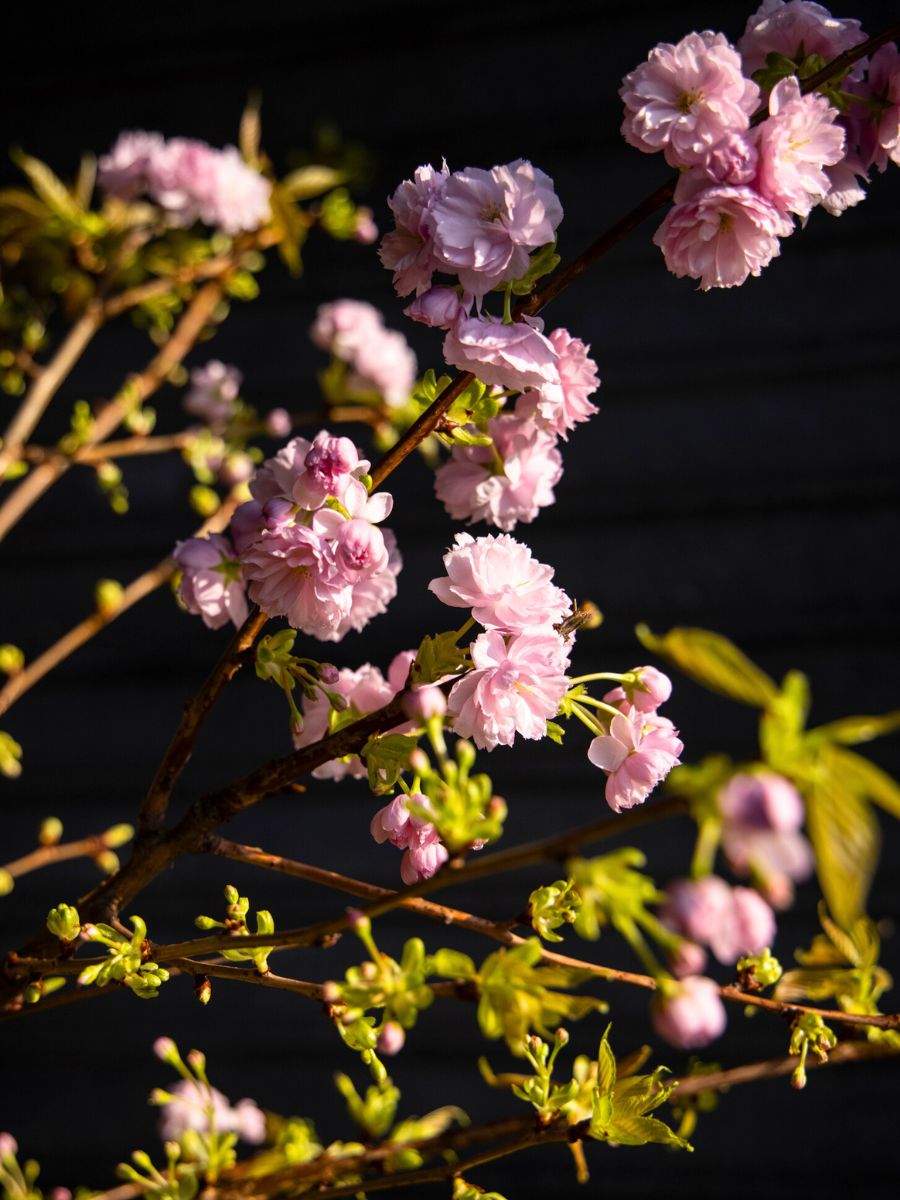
x=48, y=186
x=310, y=181
x=846, y=841
x=864, y=777
x=852, y=730
x=714, y=662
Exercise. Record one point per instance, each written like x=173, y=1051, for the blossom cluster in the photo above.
x=379, y=359
x=744, y=179
x=189, y=180
x=731, y=921
x=482, y=227
x=307, y=547
x=638, y=747
x=762, y=817
x=519, y=662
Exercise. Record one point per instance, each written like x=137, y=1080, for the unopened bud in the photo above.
x=418, y=761
x=328, y=673
x=278, y=423
x=196, y=1059
x=203, y=989
x=118, y=835
x=203, y=500
x=7, y=883
x=51, y=831
x=232, y=895
x=465, y=754
x=12, y=659
x=798, y=1078
x=165, y=1049
x=108, y=595
x=107, y=861
x=63, y=922
x=9, y=1147
x=359, y=922
x=391, y=1039
x=205, y=922
x=561, y=1036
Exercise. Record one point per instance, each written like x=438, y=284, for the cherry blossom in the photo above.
x=796, y=143
x=638, y=753
x=211, y=583
x=690, y=1015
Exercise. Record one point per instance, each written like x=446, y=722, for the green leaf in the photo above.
x=606, y=1065
x=868, y=780
x=845, y=838
x=849, y=731
x=386, y=758
x=543, y=261
x=437, y=656
x=713, y=661
x=453, y=964
x=313, y=180
x=48, y=186
x=639, y=1131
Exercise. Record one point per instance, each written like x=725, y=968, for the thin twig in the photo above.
x=47, y=856
x=153, y=810
x=198, y=314
x=76, y=637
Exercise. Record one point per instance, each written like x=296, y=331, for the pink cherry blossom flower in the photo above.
x=691, y=1016
x=798, y=140
x=795, y=29
x=293, y=573
x=343, y=325
x=845, y=190
x=686, y=97
x=190, y=1110
x=731, y=921
x=652, y=689
x=733, y=160
x=721, y=235
x=763, y=800
x=211, y=583
x=486, y=222
x=881, y=133
x=515, y=356
x=472, y=487
x=192, y=181
x=371, y=594
x=688, y=958
x=559, y=407
x=425, y=853
x=328, y=466
x=124, y=171
x=439, y=307
x=379, y=359
x=515, y=688
x=504, y=585
x=638, y=753
x=213, y=393
x=364, y=690
x=408, y=249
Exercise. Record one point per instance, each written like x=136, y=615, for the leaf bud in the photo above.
x=231, y=894
x=204, y=501
x=118, y=835
x=108, y=595
x=205, y=923
x=12, y=659
x=107, y=861
x=51, y=831
x=7, y=883
x=203, y=989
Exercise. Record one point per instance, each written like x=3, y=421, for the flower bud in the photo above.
x=278, y=423
x=439, y=307
x=7, y=883
x=9, y=1147
x=204, y=501
x=196, y=1060
x=206, y=923
x=63, y=922
x=231, y=894
x=391, y=1039
x=423, y=703
x=165, y=1049
x=359, y=922
x=689, y=1014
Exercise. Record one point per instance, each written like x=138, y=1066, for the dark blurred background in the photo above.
x=741, y=475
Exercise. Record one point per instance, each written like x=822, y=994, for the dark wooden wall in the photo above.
x=741, y=475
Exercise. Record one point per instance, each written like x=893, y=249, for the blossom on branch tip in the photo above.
x=408, y=249
x=799, y=139
x=652, y=689
x=686, y=97
x=425, y=852
x=214, y=392
x=795, y=30
x=504, y=585
x=638, y=753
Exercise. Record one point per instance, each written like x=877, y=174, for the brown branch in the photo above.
x=46, y=856
x=313, y=991
x=533, y=304
x=81, y=633
x=199, y=313
x=48, y=383
x=153, y=810
x=122, y=448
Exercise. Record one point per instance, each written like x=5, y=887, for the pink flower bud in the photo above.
x=278, y=422
x=164, y=1048
x=9, y=1147
x=692, y=1016
x=688, y=959
x=328, y=673
x=439, y=307
x=360, y=550
x=761, y=801
x=423, y=703
x=391, y=1039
